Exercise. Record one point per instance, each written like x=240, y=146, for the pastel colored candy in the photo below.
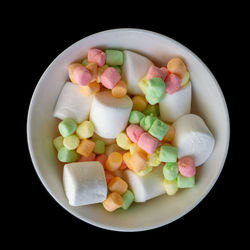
x=85, y=130
x=109, y=114
x=110, y=77
x=123, y=141
x=65, y=155
x=158, y=129
x=186, y=166
x=135, y=117
x=148, y=143
x=170, y=134
x=117, y=184
x=100, y=70
x=172, y=84
x=109, y=176
x=145, y=171
x=152, y=110
x=102, y=158
x=170, y=186
x=58, y=142
x=114, y=161
x=114, y=57
x=185, y=79
x=145, y=187
x=85, y=147
x=193, y=138
x=113, y=202
x=166, y=71
x=134, y=132
x=91, y=157
x=82, y=75
x=170, y=171
x=154, y=159
x=174, y=106
x=177, y=66
x=154, y=71
x=91, y=89
x=67, y=127
x=138, y=162
x=139, y=103
x=92, y=67
x=132, y=73
x=71, y=142
x=168, y=153
x=97, y=56
x=120, y=89
x=71, y=69
x=71, y=103
x=135, y=148
x=185, y=182
x=127, y=199
x=142, y=84
x=155, y=90
x=147, y=121
x=84, y=183
x=85, y=62
x=99, y=147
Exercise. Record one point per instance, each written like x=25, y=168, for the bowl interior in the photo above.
x=207, y=101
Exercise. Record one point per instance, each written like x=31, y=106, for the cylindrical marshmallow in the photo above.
x=72, y=104
x=135, y=66
x=177, y=104
x=109, y=114
x=193, y=138
x=145, y=187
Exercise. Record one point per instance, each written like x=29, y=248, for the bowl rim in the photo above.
x=36, y=167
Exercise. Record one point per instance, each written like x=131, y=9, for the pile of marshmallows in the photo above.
x=121, y=148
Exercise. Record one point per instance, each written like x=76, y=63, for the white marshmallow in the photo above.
x=145, y=187
x=109, y=114
x=192, y=137
x=72, y=104
x=84, y=183
x=134, y=68
x=175, y=105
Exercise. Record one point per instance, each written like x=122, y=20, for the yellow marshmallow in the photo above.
x=92, y=67
x=71, y=142
x=170, y=186
x=85, y=130
x=123, y=141
x=142, y=83
x=134, y=148
x=139, y=103
x=154, y=159
x=185, y=79
x=120, y=89
x=91, y=89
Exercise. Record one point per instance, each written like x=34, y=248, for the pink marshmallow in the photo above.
x=91, y=157
x=155, y=72
x=148, y=143
x=97, y=56
x=167, y=72
x=102, y=159
x=134, y=132
x=172, y=83
x=110, y=77
x=82, y=75
x=186, y=166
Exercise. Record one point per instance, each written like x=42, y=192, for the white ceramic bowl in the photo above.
x=207, y=101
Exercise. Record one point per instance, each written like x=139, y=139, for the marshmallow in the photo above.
x=109, y=114
x=193, y=138
x=110, y=77
x=84, y=183
x=148, y=143
x=134, y=132
x=175, y=105
x=172, y=84
x=145, y=187
x=155, y=90
x=72, y=104
x=134, y=68
x=114, y=57
x=97, y=56
x=156, y=72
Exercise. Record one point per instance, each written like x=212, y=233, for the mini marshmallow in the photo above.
x=174, y=106
x=172, y=84
x=66, y=155
x=155, y=90
x=127, y=199
x=154, y=159
x=142, y=84
x=85, y=130
x=120, y=89
x=134, y=68
x=113, y=201
x=71, y=142
x=58, y=142
x=97, y=56
x=158, y=129
x=193, y=138
x=82, y=75
x=134, y=132
x=135, y=117
x=185, y=182
x=168, y=153
x=148, y=143
x=145, y=187
x=170, y=171
x=177, y=66
x=110, y=77
x=109, y=114
x=84, y=183
x=91, y=157
x=99, y=146
x=147, y=121
x=152, y=110
x=170, y=186
x=117, y=184
x=67, y=127
x=185, y=79
x=123, y=141
x=139, y=103
x=85, y=147
x=114, y=57
x=156, y=72
x=72, y=104
x=186, y=166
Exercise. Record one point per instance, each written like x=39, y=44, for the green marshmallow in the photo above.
x=168, y=154
x=67, y=127
x=85, y=62
x=147, y=121
x=158, y=129
x=114, y=57
x=185, y=182
x=99, y=147
x=58, y=142
x=65, y=155
x=152, y=109
x=170, y=171
x=135, y=117
x=155, y=90
x=127, y=198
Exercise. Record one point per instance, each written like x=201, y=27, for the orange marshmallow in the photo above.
x=139, y=103
x=91, y=89
x=109, y=176
x=92, y=67
x=114, y=161
x=120, y=89
x=85, y=147
x=134, y=148
x=117, y=184
x=177, y=66
x=138, y=162
x=71, y=69
x=126, y=159
x=113, y=201
x=170, y=134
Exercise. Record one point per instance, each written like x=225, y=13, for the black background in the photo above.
x=42, y=37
